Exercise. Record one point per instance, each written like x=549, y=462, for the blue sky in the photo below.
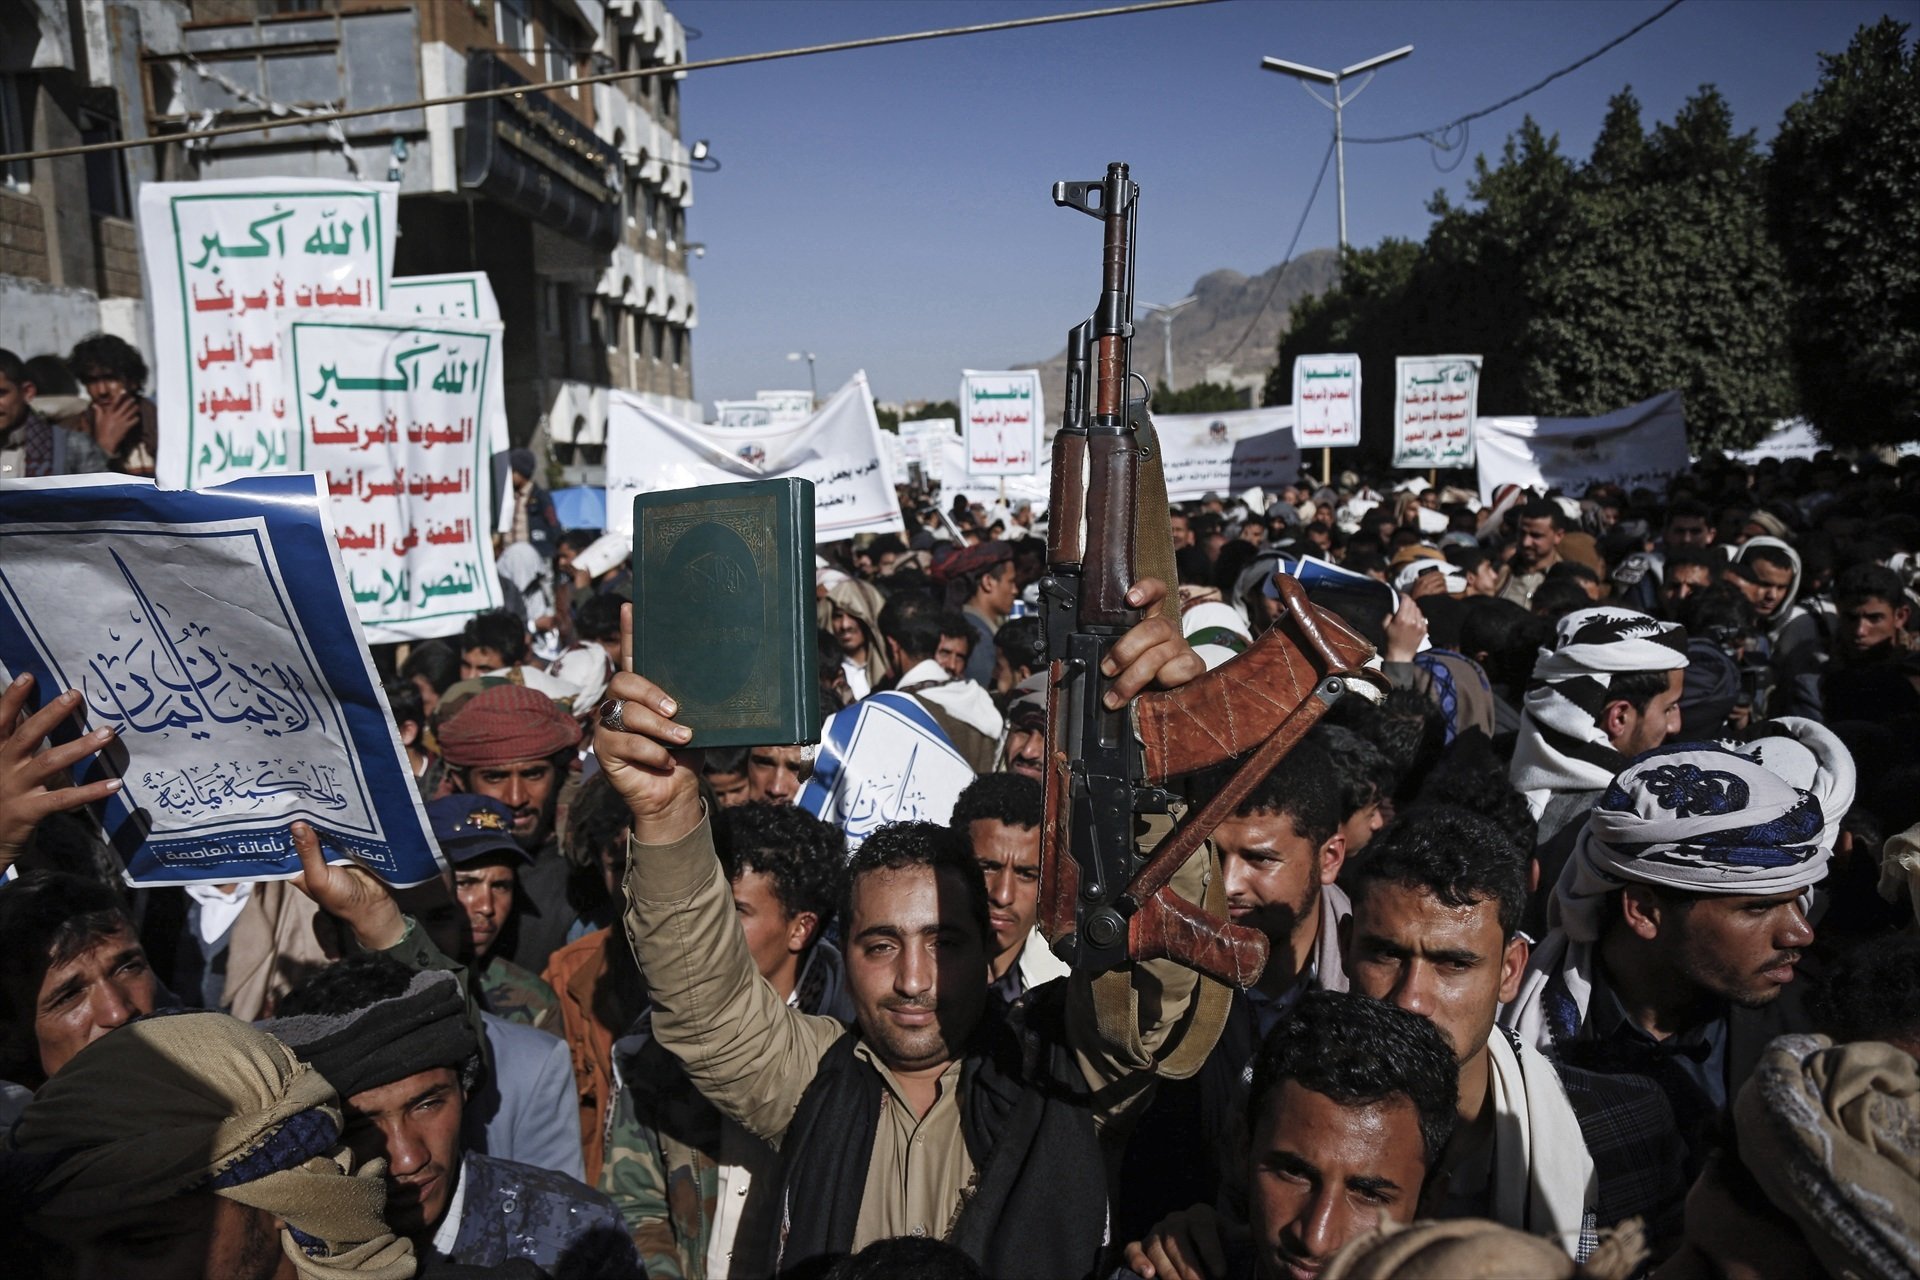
x=888, y=209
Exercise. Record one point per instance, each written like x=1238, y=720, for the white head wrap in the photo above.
x=1561, y=746
x=1690, y=817
x=1811, y=757
x=1415, y=569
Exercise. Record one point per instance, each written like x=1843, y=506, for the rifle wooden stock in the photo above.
x=1113, y=466
x=1240, y=704
x=1168, y=926
x=1067, y=499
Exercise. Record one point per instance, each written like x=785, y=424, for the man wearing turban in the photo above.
x=191, y=1145
x=1677, y=926
x=517, y=745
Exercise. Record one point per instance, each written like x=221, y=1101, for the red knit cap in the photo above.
x=507, y=723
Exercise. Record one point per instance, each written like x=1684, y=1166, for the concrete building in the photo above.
x=573, y=201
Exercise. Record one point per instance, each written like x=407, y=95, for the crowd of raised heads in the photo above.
x=1592, y=943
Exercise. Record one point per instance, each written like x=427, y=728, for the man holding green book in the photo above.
x=939, y=1114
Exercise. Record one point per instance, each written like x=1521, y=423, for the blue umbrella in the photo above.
x=581, y=508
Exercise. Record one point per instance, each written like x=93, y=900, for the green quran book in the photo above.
x=723, y=609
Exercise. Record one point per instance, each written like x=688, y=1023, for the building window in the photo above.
x=679, y=345
x=653, y=211
x=513, y=26
x=669, y=95
x=582, y=320
x=564, y=39
x=659, y=341
x=550, y=313
x=106, y=175
x=13, y=132
x=678, y=220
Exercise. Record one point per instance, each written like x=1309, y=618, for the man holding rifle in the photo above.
x=935, y=1116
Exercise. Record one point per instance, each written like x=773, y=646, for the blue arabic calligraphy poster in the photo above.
x=212, y=629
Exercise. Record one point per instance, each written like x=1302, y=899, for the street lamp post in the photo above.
x=1165, y=315
x=813, y=387
x=1303, y=73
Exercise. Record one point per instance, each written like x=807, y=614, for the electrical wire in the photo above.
x=1444, y=137
x=1288, y=259
x=610, y=77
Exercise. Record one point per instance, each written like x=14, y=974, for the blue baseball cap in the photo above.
x=468, y=827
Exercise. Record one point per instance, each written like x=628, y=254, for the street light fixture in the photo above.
x=1304, y=73
x=1165, y=316
x=813, y=387
x=700, y=158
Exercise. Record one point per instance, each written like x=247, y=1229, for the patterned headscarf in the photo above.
x=504, y=724
x=1561, y=746
x=203, y=1103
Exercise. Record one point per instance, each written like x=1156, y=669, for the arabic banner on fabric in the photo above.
x=457, y=295
x=883, y=760
x=1326, y=401
x=986, y=490
x=1635, y=447
x=1001, y=416
x=1790, y=438
x=1434, y=404
x=742, y=415
x=389, y=415
x=212, y=629
x=223, y=259
x=839, y=449
x=924, y=440
x=1205, y=453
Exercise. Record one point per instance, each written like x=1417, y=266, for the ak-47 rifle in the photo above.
x=1101, y=901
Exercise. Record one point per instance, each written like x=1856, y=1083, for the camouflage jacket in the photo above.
x=510, y=992
x=666, y=1146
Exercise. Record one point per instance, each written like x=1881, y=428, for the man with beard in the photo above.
x=1025, y=749
x=937, y=1116
x=1678, y=924
x=1536, y=549
x=517, y=746
x=1000, y=815
x=1279, y=854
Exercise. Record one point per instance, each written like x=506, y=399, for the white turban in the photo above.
x=1561, y=746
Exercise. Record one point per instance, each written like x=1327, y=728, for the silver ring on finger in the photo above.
x=612, y=712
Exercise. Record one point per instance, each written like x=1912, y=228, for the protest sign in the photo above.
x=1638, y=446
x=390, y=414
x=785, y=407
x=1001, y=415
x=742, y=415
x=838, y=448
x=924, y=441
x=212, y=630
x=1434, y=402
x=223, y=259
x=883, y=760
x=986, y=490
x=458, y=295
x=1790, y=438
x=1326, y=401
x=1204, y=453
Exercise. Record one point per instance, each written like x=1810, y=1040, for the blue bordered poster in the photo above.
x=213, y=630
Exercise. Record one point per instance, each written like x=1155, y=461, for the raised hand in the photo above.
x=1153, y=652
x=32, y=781
x=643, y=752
x=348, y=892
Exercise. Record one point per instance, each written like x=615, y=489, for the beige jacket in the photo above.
x=753, y=1056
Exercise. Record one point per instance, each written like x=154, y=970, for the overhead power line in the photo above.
x=1441, y=136
x=1285, y=261
x=609, y=77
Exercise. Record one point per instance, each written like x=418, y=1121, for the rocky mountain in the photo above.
x=1206, y=331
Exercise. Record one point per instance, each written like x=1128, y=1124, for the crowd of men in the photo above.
x=1593, y=942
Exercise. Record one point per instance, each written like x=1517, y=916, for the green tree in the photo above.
x=1586, y=286
x=888, y=418
x=1201, y=397
x=1845, y=201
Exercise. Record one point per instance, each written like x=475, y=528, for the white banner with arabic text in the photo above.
x=1326, y=401
x=1000, y=414
x=1640, y=446
x=225, y=263
x=839, y=449
x=1435, y=399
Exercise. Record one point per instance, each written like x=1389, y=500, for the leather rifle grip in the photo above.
x=1067, y=503
x=1113, y=466
x=1059, y=873
x=1167, y=926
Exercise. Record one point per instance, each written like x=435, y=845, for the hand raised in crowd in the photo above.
x=1405, y=629
x=1152, y=653
x=31, y=780
x=643, y=751
x=1188, y=1245
x=348, y=892
x=113, y=421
